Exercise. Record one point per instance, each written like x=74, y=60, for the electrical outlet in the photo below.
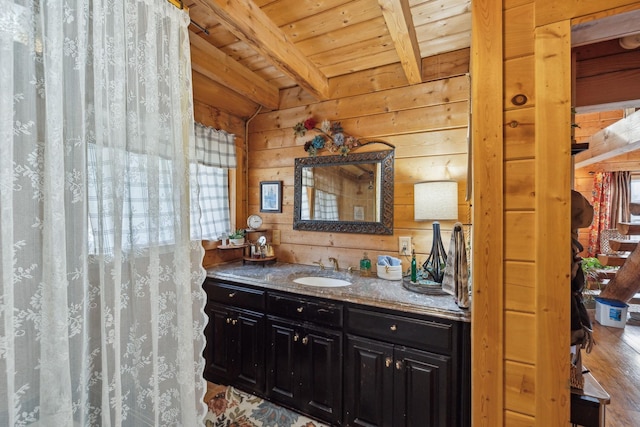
x=404, y=245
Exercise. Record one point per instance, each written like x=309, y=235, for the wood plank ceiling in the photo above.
x=255, y=48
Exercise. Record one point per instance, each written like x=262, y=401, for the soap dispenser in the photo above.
x=365, y=266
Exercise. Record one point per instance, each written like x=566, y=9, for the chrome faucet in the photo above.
x=336, y=267
x=319, y=262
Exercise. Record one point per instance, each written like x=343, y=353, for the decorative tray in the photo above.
x=264, y=260
x=423, y=286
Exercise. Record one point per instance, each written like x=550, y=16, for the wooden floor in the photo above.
x=615, y=363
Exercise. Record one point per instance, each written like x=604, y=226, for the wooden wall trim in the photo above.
x=552, y=188
x=487, y=336
x=548, y=11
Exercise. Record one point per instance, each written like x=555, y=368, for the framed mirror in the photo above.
x=345, y=194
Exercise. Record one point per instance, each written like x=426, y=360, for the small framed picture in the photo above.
x=271, y=196
x=358, y=213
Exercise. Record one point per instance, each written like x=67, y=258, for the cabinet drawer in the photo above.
x=417, y=333
x=302, y=309
x=235, y=295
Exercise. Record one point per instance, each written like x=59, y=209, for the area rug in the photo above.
x=230, y=407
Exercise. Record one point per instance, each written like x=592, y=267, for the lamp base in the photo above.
x=435, y=264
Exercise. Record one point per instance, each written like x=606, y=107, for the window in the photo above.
x=133, y=174
x=635, y=194
x=142, y=176
x=210, y=206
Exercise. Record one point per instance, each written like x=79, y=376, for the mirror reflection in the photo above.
x=352, y=193
x=348, y=192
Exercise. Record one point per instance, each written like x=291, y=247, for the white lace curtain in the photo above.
x=96, y=120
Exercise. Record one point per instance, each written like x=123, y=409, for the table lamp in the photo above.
x=435, y=200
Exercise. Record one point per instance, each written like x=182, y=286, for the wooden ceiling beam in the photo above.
x=616, y=26
x=621, y=137
x=250, y=24
x=206, y=59
x=607, y=77
x=221, y=97
x=397, y=15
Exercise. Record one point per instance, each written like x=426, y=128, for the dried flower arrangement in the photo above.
x=330, y=136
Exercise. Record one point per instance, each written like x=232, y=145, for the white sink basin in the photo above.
x=326, y=282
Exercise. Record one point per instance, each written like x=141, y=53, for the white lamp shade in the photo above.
x=434, y=200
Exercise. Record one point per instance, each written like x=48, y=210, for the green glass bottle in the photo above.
x=365, y=266
x=414, y=267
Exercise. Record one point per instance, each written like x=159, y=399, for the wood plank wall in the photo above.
x=427, y=123
x=523, y=317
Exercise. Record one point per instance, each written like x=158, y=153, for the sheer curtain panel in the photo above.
x=101, y=303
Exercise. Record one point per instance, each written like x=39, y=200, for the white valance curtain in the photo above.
x=96, y=120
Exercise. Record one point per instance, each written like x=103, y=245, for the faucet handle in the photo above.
x=319, y=262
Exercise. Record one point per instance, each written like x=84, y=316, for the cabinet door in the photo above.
x=281, y=381
x=319, y=372
x=234, y=353
x=422, y=393
x=369, y=370
x=249, y=355
x=217, y=352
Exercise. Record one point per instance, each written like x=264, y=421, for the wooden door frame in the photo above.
x=552, y=173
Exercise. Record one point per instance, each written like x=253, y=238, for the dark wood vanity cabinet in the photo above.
x=342, y=363
x=388, y=385
x=304, y=368
x=304, y=361
x=405, y=371
x=235, y=346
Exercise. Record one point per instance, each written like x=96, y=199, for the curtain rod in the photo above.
x=180, y=5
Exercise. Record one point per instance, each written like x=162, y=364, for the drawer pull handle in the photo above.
x=398, y=365
x=234, y=321
x=228, y=320
x=393, y=327
x=296, y=337
x=305, y=340
x=300, y=309
x=232, y=294
x=323, y=310
x=388, y=362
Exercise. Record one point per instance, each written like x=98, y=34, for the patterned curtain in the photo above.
x=215, y=155
x=600, y=200
x=96, y=121
x=620, y=198
x=215, y=147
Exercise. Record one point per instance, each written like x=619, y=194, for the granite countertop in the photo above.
x=371, y=291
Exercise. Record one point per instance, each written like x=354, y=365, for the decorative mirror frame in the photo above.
x=384, y=226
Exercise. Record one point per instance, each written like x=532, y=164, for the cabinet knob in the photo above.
x=398, y=364
x=234, y=321
x=393, y=327
x=228, y=320
x=300, y=309
x=232, y=294
x=388, y=362
x=305, y=340
x=296, y=337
